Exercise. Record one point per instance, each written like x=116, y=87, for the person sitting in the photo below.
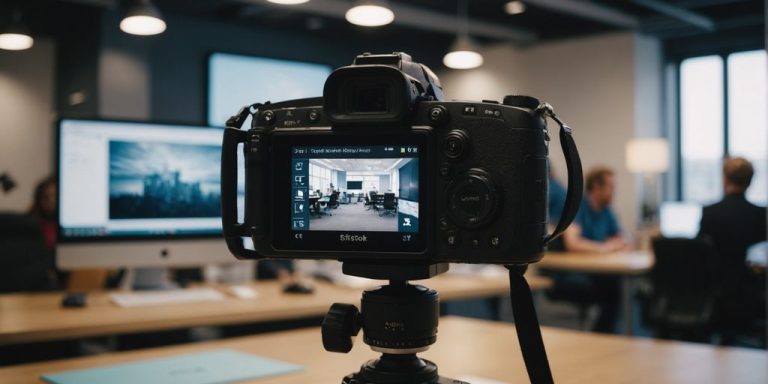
x=733, y=225
x=595, y=229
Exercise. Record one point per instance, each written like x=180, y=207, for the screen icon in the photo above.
x=298, y=224
x=299, y=166
x=299, y=180
x=299, y=195
x=298, y=208
x=406, y=221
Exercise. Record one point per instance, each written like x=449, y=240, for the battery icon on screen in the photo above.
x=402, y=149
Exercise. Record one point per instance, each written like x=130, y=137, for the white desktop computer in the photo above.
x=138, y=195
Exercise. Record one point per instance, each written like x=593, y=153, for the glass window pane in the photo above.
x=747, y=128
x=701, y=118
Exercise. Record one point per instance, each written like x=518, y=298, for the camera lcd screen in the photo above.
x=388, y=200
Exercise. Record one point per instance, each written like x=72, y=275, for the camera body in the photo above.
x=439, y=181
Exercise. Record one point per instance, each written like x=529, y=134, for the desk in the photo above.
x=627, y=265
x=477, y=348
x=40, y=317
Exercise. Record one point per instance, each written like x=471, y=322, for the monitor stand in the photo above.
x=147, y=279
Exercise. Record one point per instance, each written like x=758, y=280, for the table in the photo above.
x=40, y=317
x=477, y=348
x=627, y=265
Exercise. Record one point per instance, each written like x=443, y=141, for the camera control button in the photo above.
x=445, y=170
x=444, y=223
x=491, y=112
x=268, y=117
x=475, y=243
x=469, y=110
x=495, y=241
x=313, y=115
x=472, y=200
x=456, y=144
x=452, y=239
x=437, y=114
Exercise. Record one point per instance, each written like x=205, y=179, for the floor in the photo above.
x=353, y=217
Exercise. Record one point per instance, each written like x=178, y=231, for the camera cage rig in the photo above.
x=399, y=363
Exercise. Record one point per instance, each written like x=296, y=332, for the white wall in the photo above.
x=600, y=85
x=26, y=120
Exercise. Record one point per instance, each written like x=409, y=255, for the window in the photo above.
x=747, y=128
x=722, y=112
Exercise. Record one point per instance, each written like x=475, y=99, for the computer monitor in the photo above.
x=237, y=80
x=680, y=219
x=138, y=195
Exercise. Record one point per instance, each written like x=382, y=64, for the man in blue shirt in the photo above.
x=595, y=229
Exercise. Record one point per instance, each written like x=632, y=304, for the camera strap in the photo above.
x=575, y=173
x=527, y=327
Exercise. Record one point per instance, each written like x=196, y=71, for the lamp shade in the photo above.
x=463, y=55
x=647, y=155
x=370, y=13
x=143, y=19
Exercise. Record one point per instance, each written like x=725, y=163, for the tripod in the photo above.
x=398, y=319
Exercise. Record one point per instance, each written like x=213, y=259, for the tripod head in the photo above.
x=398, y=319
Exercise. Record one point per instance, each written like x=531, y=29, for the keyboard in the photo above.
x=173, y=296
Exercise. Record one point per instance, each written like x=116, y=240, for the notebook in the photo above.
x=217, y=366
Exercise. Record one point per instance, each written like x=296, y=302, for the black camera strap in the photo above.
x=526, y=321
x=527, y=327
x=575, y=173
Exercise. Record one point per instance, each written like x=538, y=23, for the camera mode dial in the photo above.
x=472, y=199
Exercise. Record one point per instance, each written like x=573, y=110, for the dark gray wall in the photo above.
x=174, y=64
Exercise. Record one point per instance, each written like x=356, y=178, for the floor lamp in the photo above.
x=648, y=157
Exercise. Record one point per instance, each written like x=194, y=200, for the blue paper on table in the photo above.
x=219, y=366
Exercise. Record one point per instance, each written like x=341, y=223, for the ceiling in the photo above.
x=359, y=165
x=434, y=21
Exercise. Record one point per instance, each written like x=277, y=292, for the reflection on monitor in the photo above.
x=120, y=182
x=385, y=197
x=680, y=219
x=236, y=80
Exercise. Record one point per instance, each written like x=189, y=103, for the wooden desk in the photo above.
x=476, y=348
x=627, y=265
x=40, y=317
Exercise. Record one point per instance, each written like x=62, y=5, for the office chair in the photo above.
x=26, y=263
x=333, y=202
x=389, y=205
x=685, y=291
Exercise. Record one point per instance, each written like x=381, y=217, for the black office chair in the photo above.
x=389, y=205
x=333, y=201
x=683, y=301
x=26, y=264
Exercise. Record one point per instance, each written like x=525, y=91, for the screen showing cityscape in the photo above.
x=136, y=179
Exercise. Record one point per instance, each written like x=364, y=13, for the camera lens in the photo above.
x=472, y=199
x=400, y=318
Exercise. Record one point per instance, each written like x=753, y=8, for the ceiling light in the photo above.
x=463, y=55
x=288, y=2
x=16, y=37
x=370, y=13
x=515, y=7
x=143, y=19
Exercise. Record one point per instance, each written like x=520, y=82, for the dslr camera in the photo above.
x=386, y=176
x=382, y=169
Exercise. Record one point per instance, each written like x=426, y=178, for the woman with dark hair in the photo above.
x=44, y=208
